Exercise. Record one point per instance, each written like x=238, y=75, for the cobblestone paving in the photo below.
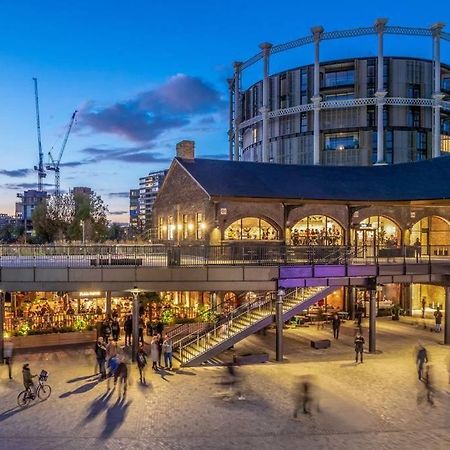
x=367, y=406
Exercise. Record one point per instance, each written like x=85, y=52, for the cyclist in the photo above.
x=28, y=380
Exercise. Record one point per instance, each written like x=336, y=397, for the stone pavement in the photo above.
x=373, y=405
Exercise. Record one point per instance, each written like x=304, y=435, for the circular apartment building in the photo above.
x=357, y=111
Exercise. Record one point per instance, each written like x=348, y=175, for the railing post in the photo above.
x=279, y=325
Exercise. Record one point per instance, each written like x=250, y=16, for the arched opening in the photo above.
x=433, y=233
x=251, y=228
x=376, y=232
x=317, y=230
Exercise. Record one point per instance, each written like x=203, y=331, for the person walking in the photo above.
x=141, y=360
x=115, y=329
x=359, y=347
x=121, y=374
x=418, y=250
x=128, y=328
x=106, y=330
x=141, y=331
x=111, y=352
x=160, y=350
x=424, y=305
x=437, y=320
x=154, y=352
x=421, y=359
x=336, y=323
x=8, y=349
x=167, y=350
x=100, y=353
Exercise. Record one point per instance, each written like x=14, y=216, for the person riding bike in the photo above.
x=28, y=379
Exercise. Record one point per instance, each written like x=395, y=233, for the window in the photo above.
x=413, y=117
x=445, y=86
x=413, y=90
x=317, y=230
x=304, y=86
x=389, y=146
x=303, y=122
x=185, y=226
x=251, y=228
x=161, y=228
x=341, y=141
x=445, y=127
x=371, y=116
x=342, y=96
x=421, y=145
x=170, y=229
x=255, y=101
x=445, y=144
x=255, y=134
x=340, y=78
x=374, y=147
x=282, y=89
x=200, y=227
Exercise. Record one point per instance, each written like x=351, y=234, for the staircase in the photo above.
x=201, y=345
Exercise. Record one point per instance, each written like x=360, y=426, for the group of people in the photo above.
x=314, y=236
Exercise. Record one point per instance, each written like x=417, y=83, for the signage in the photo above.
x=90, y=294
x=223, y=211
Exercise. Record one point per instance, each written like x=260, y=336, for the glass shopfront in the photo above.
x=434, y=235
x=317, y=230
x=251, y=228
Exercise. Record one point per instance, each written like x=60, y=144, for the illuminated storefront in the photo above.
x=251, y=228
x=317, y=230
x=433, y=233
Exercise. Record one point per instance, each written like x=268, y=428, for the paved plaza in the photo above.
x=378, y=404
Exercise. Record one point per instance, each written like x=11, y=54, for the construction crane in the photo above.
x=54, y=164
x=40, y=167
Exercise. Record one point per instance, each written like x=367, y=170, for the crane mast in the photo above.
x=40, y=167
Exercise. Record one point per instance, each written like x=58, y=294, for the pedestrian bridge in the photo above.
x=213, y=268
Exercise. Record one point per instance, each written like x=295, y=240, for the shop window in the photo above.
x=341, y=141
x=377, y=230
x=317, y=230
x=433, y=233
x=251, y=228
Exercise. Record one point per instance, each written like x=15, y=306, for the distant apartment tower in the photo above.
x=82, y=190
x=24, y=209
x=134, y=209
x=148, y=190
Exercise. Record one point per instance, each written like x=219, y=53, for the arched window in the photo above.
x=433, y=233
x=317, y=230
x=251, y=228
x=377, y=230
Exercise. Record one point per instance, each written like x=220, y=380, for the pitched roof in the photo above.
x=422, y=180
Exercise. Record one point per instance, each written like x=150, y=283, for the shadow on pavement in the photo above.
x=162, y=373
x=185, y=372
x=97, y=406
x=115, y=416
x=80, y=390
x=87, y=377
x=13, y=411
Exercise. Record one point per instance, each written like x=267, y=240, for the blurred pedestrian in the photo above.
x=421, y=359
x=428, y=382
x=233, y=381
x=111, y=352
x=115, y=329
x=336, y=323
x=304, y=400
x=121, y=374
x=359, y=347
x=160, y=350
x=424, y=305
x=8, y=350
x=154, y=352
x=141, y=360
x=106, y=330
x=437, y=320
x=128, y=328
x=100, y=354
x=418, y=250
x=141, y=331
x=167, y=350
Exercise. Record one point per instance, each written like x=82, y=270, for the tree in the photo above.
x=64, y=216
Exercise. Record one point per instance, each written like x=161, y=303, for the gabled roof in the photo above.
x=417, y=181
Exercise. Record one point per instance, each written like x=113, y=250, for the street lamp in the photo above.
x=279, y=324
x=135, y=344
x=82, y=230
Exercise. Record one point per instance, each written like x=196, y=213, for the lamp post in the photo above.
x=82, y=231
x=279, y=324
x=135, y=345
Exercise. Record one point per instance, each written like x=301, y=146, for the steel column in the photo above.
x=373, y=321
x=380, y=25
x=279, y=325
x=437, y=96
x=135, y=347
x=237, y=108
x=231, y=130
x=265, y=47
x=317, y=33
x=108, y=303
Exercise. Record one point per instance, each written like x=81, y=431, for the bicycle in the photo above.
x=42, y=391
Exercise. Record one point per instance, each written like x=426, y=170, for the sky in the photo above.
x=144, y=75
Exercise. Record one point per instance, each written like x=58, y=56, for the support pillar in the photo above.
x=380, y=25
x=351, y=302
x=373, y=321
x=237, y=108
x=135, y=347
x=108, y=303
x=2, y=324
x=230, y=119
x=447, y=317
x=437, y=95
x=265, y=47
x=279, y=325
x=317, y=33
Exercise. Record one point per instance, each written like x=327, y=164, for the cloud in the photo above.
x=119, y=194
x=139, y=154
x=16, y=173
x=145, y=117
x=119, y=213
x=25, y=186
x=215, y=156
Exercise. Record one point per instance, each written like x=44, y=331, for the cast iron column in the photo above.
x=447, y=317
x=108, y=303
x=317, y=33
x=372, y=321
x=279, y=324
x=265, y=47
x=380, y=25
x=135, y=347
x=237, y=108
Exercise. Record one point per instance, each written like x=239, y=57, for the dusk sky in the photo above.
x=147, y=74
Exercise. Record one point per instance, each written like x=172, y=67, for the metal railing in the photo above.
x=261, y=254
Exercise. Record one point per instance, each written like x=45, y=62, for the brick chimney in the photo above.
x=186, y=149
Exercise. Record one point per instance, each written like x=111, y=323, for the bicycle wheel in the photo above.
x=23, y=399
x=44, y=392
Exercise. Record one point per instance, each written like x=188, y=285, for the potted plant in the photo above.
x=395, y=311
